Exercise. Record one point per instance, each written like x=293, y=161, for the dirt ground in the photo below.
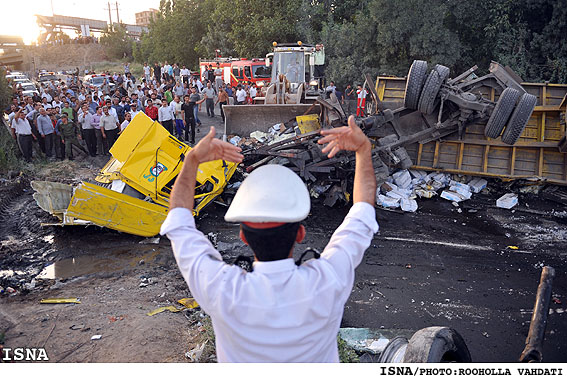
x=443, y=265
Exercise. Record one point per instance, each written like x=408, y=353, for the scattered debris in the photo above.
x=150, y=241
x=77, y=327
x=188, y=302
x=96, y=337
x=507, y=201
x=195, y=354
x=513, y=247
x=170, y=308
x=52, y=300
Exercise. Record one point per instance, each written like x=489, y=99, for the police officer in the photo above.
x=279, y=312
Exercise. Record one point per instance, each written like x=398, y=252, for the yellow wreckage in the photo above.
x=132, y=193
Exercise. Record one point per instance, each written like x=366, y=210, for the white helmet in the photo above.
x=271, y=193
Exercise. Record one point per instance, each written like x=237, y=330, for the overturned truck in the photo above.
x=467, y=124
x=471, y=125
x=131, y=193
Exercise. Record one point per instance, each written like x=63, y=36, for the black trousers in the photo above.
x=49, y=141
x=168, y=125
x=190, y=128
x=25, y=142
x=111, y=136
x=210, y=107
x=90, y=139
x=222, y=104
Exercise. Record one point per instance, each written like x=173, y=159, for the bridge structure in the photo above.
x=84, y=26
x=11, y=54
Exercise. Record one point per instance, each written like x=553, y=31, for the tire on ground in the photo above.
x=437, y=344
x=416, y=76
x=433, y=83
x=501, y=112
x=519, y=118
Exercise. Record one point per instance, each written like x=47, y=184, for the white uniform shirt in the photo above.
x=22, y=127
x=240, y=95
x=279, y=312
x=165, y=113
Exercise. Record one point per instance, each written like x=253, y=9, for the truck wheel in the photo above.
x=501, y=112
x=416, y=76
x=519, y=118
x=437, y=344
x=431, y=88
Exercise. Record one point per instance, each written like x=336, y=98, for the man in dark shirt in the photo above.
x=187, y=110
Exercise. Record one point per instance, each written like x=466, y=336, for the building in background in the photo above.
x=143, y=18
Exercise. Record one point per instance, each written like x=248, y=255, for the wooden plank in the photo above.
x=420, y=150
x=460, y=155
x=513, y=161
x=436, y=154
x=485, y=159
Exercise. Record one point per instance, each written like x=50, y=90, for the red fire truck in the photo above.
x=240, y=70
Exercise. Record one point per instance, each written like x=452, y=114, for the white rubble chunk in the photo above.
x=507, y=201
x=452, y=196
x=402, y=178
x=408, y=205
x=478, y=184
x=387, y=202
x=418, y=174
x=464, y=191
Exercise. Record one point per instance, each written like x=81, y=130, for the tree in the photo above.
x=117, y=41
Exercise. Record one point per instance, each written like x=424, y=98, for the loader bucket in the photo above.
x=245, y=119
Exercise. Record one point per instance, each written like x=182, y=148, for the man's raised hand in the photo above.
x=211, y=149
x=350, y=138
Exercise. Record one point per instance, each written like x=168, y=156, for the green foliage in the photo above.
x=117, y=42
x=5, y=90
x=374, y=36
x=346, y=353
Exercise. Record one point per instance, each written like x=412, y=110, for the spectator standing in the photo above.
x=47, y=131
x=222, y=100
x=211, y=74
x=126, y=122
x=178, y=89
x=165, y=116
x=210, y=100
x=176, y=107
x=240, y=95
x=86, y=118
x=69, y=136
x=147, y=70
x=188, y=112
x=151, y=110
x=157, y=72
x=185, y=73
x=196, y=99
x=218, y=78
x=168, y=95
x=176, y=72
x=95, y=122
x=109, y=129
x=361, y=101
x=22, y=132
x=133, y=110
x=349, y=99
x=118, y=110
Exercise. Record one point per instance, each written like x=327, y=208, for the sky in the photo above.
x=18, y=17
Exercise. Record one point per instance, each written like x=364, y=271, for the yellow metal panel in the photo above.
x=117, y=211
x=308, y=123
x=110, y=171
x=131, y=136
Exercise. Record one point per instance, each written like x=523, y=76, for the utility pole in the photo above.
x=117, y=15
x=109, y=16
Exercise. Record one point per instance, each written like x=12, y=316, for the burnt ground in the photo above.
x=437, y=267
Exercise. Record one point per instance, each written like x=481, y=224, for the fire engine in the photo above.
x=239, y=70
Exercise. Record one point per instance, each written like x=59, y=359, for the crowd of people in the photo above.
x=68, y=111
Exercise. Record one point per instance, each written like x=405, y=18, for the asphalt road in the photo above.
x=439, y=267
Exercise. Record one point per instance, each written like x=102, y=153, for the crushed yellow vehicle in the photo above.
x=133, y=189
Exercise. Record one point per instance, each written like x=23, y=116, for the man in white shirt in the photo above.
x=133, y=110
x=22, y=132
x=126, y=122
x=185, y=72
x=165, y=116
x=253, y=91
x=279, y=312
x=109, y=128
x=147, y=75
x=360, y=101
x=240, y=95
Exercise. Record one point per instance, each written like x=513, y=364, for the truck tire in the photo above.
x=433, y=83
x=519, y=118
x=416, y=76
x=437, y=344
x=501, y=112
